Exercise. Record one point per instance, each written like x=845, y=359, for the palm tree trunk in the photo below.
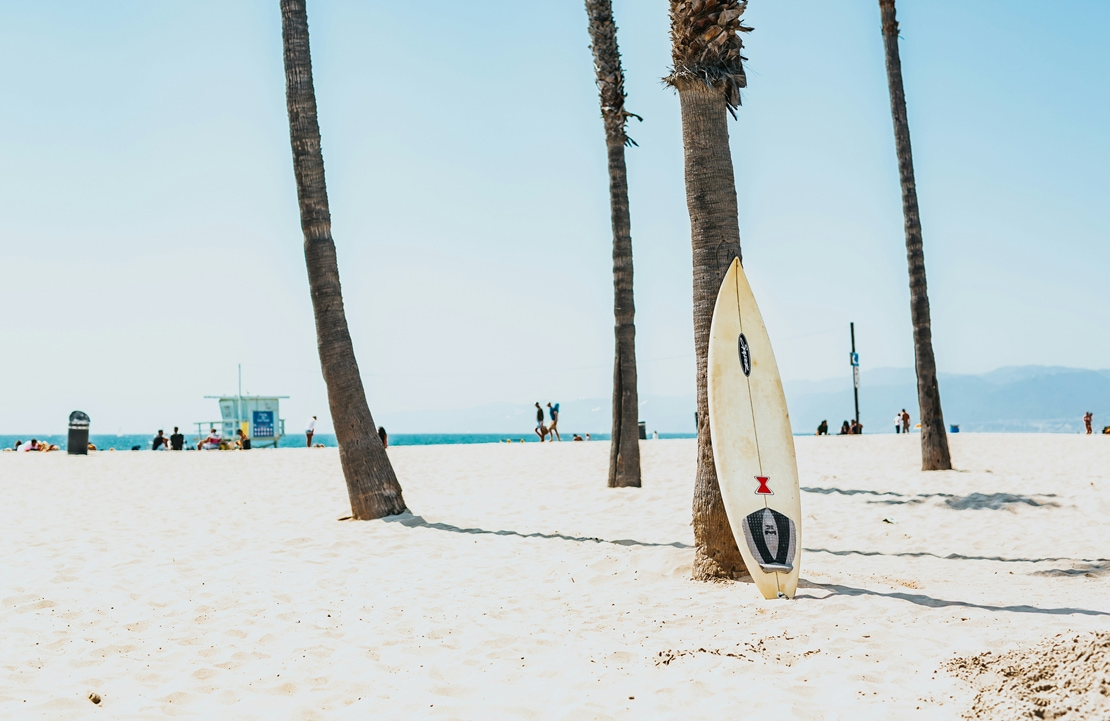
x=371, y=483
x=934, y=440
x=715, y=237
x=624, y=453
x=708, y=73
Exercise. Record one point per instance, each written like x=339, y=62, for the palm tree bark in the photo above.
x=371, y=482
x=934, y=440
x=708, y=74
x=624, y=453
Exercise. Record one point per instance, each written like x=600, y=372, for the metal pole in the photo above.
x=239, y=402
x=855, y=368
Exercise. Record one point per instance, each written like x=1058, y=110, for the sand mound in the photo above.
x=1063, y=677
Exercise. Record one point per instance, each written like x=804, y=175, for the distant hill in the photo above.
x=1012, y=399
x=1048, y=399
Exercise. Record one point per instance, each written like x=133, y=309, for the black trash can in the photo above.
x=643, y=431
x=78, y=443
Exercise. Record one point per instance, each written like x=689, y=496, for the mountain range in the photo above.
x=1045, y=399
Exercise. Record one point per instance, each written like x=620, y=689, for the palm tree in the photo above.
x=708, y=73
x=934, y=441
x=624, y=454
x=371, y=483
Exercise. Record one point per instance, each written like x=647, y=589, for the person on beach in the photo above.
x=823, y=429
x=553, y=411
x=856, y=428
x=1088, y=419
x=241, y=441
x=160, y=442
x=576, y=437
x=905, y=421
x=845, y=429
x=384, y=436
x=177, y=440
x=211, y=443
x=31, y=445
x=541, y=429
x=309, y=430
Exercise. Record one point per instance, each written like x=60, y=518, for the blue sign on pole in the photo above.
x=263, y=423
x=855, y=359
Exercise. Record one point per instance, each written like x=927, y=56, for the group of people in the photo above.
x=1088, y=422
x=33, y=445
x=175, y=442
x=854, y=428
x=543, y=430
x=213, y=442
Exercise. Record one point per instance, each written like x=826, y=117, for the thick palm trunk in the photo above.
x=934, y=440
x=708, y=73
x=624, y=454
x=715, y=237
x=371, y=483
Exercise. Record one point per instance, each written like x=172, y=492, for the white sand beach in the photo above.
x=221, y=585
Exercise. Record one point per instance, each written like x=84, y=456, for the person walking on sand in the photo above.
x=905, y=421
x=309, y=431
x=553, y=411
x=541, y=429
x=898, y=422
x=1088, y=419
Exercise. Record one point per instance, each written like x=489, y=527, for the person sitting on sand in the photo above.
x=177, y=440
x=845, y=429
x=241, y=441
x=384, y=436
x=31, y=445
x=159, y=443
x=211, y=443
x=823, y=429
x=576, y=437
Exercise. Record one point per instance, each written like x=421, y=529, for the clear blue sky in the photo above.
x=150, y=237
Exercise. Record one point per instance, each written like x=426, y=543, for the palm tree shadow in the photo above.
x=971, y=502
x=408, y=519
x=954, y=556
x=920, y=599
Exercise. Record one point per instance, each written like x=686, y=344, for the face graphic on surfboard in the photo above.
x=772, y=538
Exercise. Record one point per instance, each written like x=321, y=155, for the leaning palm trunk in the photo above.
x=934, y=441
x=371, y=483
x=708, y=74
x=624, y=454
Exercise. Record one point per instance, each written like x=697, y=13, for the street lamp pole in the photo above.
x=854, y=358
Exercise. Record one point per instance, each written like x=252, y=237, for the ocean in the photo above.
x=142, y=442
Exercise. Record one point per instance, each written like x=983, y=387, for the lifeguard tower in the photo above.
x=258, y=416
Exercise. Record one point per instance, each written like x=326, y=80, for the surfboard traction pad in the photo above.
x=772, y=538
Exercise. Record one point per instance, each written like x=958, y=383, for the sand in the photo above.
x=221, y=585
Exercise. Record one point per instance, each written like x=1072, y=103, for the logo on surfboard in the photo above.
x=772, y=538
x=763, y=490
x=745, y=355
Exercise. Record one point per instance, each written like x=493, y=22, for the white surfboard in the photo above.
x=753, y=447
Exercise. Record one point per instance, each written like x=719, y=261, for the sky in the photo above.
x=151, y=242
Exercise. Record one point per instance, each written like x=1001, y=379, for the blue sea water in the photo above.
x=142, y=442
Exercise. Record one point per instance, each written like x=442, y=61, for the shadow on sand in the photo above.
x=972, y=502
x=407, y=519
x=930, y=602
x=954, y=556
